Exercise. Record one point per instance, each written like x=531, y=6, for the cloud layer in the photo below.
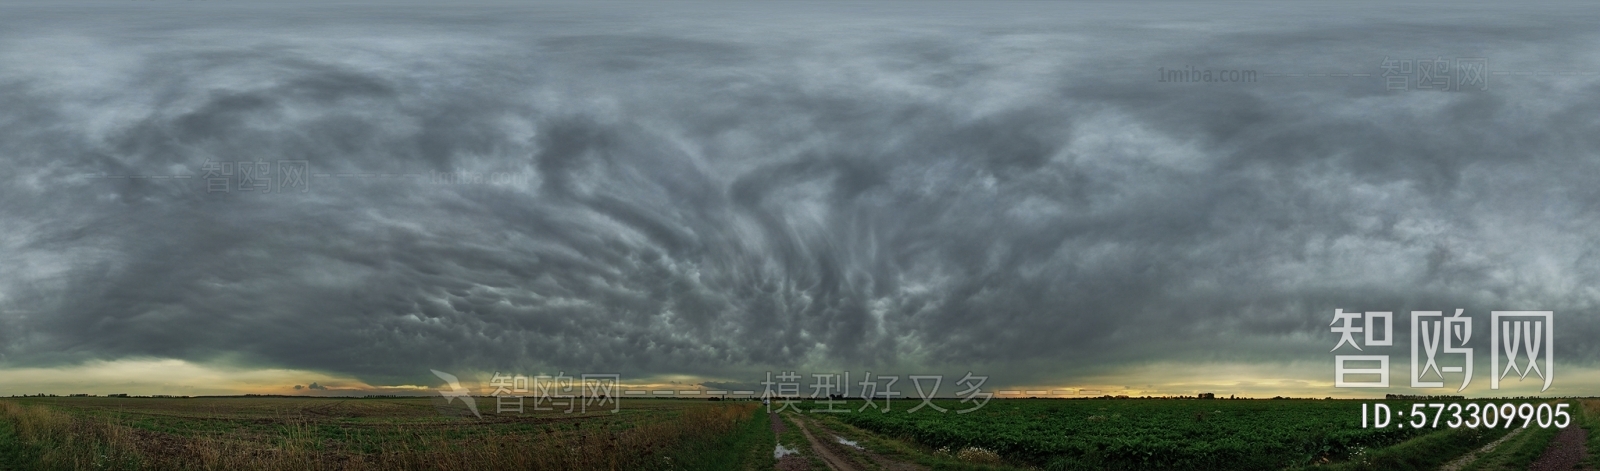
x=717, y=189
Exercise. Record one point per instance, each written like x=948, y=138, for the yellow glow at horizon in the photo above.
x=162, y=376
x=1297, y=379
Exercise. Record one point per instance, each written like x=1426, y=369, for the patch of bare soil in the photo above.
x=793, y=463
x=788, y=462
x=834, y=460
x=1566, y=451
x=777, y=422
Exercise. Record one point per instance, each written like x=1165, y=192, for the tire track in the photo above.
x=834, y=461
x=787, y=462
x=1565, y=452
x=1471, y=456
x=883, y=463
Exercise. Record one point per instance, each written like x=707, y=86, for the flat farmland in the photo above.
x=1157, y=434
x=1135, y=434
x=274, y=433
x=386, y=433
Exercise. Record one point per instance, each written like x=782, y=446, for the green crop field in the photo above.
x=1159, y=434
x=666, y=434
x=1192, y=434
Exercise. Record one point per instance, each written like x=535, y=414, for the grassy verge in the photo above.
x=1587, y=416
x=1516, y=453
x=40, y=438
x=747, y=447
x=1426, y=452
x=13, y=454
x=762, y=443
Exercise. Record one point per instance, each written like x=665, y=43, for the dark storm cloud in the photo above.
x=713, y=191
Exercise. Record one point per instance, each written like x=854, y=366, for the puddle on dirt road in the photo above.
x=780, y=452
x=847, y=442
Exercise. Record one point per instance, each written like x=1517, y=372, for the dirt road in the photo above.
x=835, y=461
x=788, y=462
x=1566, y=451
x=837, y=455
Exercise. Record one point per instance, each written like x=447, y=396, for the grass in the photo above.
x=1426, y=452
x=400, y=434
x=794, y=439
x=747, y=446
x=1588, y=417
x=40, y=438
x=1516, y=453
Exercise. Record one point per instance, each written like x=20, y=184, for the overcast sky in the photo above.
x=708, y=191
